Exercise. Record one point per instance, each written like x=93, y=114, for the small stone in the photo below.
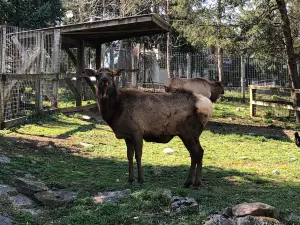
x=230, y=118
x=255, y=209
x=85, y=117
x=293, y=159
x=243, y=157
x=111, y=196
x=55, y=197
x=238, y=109
x=33, y=212
x=4, y=160
x=117, y=180
x=249, y=220
x=182, y=204
x=29, y=185
x=276, y=172
x=168, y=150
x=5, y=220
x=86, y=144
x=220, y=220
x=21, y=201
x=6, y=190
x=136, y=217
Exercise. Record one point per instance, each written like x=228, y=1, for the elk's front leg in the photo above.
x=138, y=147
x=130, y=154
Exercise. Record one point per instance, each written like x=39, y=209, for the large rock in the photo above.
x=255, y=209
x=4, y=160
x=6, y=190
x=220, y=220
x=56, y=197
x=21, y=201
x=29, y=185
x=111, y=196
x=182, y=204
x=5, y=220
x=254, y=220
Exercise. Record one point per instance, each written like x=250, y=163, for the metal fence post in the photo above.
x=189, y=65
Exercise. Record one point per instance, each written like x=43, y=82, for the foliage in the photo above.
x=31, y=13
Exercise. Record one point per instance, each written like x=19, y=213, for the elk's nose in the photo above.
x=104, y=80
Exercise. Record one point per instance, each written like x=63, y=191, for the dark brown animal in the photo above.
x=135, y=115
x=208, y=88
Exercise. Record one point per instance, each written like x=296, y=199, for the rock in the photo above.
x=253, y=220
x=21, y=201
x=33, y=212
x=56, y=197
x=220, y=220
x=182, y=204
x=167, y=193
x=85, y=117
x=6, y=190
x=255, y=209
x=168, y=150
x=111, y=196
x=276, y=172
x=86, y=144
x=5, y=220
x=4, y=160
x=29, y=185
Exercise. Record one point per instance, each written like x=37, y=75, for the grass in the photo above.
x=238, y=167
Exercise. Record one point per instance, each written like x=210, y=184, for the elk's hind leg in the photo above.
x=130, y=154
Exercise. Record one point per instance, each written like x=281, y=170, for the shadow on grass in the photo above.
x=242, y=129
x=89, y=175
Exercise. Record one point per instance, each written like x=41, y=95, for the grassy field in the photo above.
x=240, y=156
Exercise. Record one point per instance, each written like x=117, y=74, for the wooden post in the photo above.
x=243, y=75
x=189, y=65
x=252, y=98
x=79, y=71
x=2, y=70
x=40, y=70
x=55, y=66
x=98, y=56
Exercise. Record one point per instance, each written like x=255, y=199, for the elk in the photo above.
x=208, y=88
x=135, y=115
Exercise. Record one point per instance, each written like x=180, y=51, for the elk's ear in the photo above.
x=90, y=72
x=118, y=72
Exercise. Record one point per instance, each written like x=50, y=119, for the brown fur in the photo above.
x=135, y=115
x=208, y=88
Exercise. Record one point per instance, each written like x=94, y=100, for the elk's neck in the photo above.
x=109, y=105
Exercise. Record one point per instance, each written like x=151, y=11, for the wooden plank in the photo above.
x=71, y=55
x=77, y=108
x=79, y=70
x=3, y=49
x=14, y=122
x=1, y=101
x=72, y=87
x=273, y=88
x=273, y=104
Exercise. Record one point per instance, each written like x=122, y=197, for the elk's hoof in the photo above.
x=196, y=185
x=131, y=180
x=141, y=180
x=187, y=184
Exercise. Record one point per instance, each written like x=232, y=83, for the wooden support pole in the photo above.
x=2, y=117
x=71, y=55
x=98, y=56
x=252, y=98
x=79, y=70
x=40, y=70
x=243, y=75
x=55, y=66
x=2, y=70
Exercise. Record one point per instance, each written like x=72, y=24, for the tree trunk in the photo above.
x=169, y=44
x=285, y=25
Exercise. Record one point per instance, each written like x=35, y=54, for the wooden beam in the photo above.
x=90, y=83
x=55, y=65
x=275, y=105
x=71, y=55
x=72, y=87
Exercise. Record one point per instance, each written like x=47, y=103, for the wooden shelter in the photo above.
x=35, y=55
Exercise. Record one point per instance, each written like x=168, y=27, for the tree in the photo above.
x=30, y=13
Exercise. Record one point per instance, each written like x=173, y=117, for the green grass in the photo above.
x=238, y=164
